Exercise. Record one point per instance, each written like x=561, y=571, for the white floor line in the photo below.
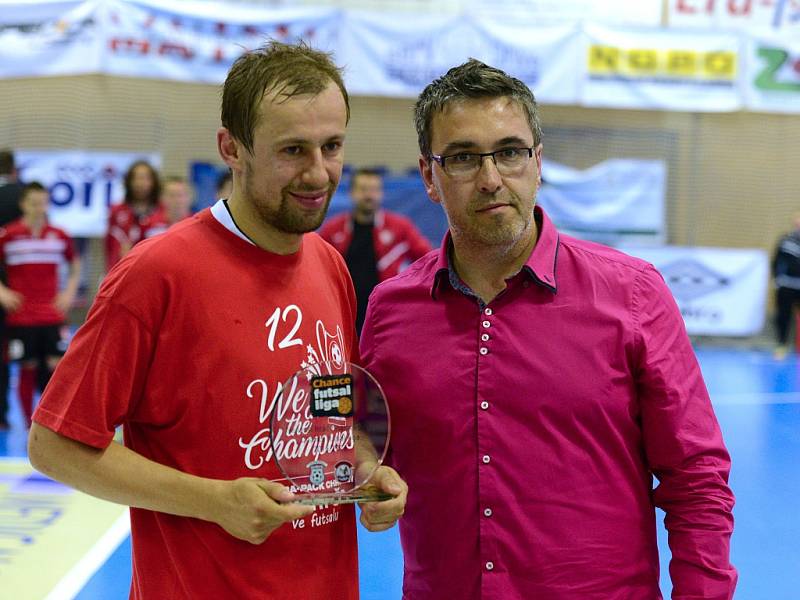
x=73, y=582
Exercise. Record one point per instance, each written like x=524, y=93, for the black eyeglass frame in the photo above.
x=441, y=160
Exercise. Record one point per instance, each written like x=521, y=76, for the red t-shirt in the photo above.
x=155, y=224
x=125, y=228
x=185, y=346
x=31, y=263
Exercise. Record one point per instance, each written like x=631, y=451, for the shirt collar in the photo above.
x=222, y=214
x=540, y=266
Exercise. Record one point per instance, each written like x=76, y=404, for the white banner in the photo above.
x=614, y=202
x=661, y=70
x=51, y=38
x=720, y=291
x=773, y=72
x=390, y=56
x=198, y=41
x=741, y=15
x=561, y=12
x=183, y=41
x=82, y=184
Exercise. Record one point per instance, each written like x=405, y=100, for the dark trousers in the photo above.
x=786, y=299
x=3, y=369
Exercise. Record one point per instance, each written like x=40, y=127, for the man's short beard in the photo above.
x=287, y=218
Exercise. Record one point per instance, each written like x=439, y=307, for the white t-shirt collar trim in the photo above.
x=222, y=214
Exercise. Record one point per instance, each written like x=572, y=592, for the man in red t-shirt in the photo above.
x=188, y=344
x=377, y=244
x=32, y=252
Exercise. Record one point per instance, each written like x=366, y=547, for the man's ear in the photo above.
x=230, y=150
x=426, y=171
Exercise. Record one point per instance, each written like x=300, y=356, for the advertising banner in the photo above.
x=663, y=70
x=773, y=72
x=614, y=202
x=198, y=42
x=82, y=184
x=720, y=291
x=49, y=38
x=386, y=56
x=741, y=15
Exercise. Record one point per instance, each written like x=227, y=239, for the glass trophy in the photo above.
x=329, y=433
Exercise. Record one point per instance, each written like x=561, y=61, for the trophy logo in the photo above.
x=343, y=472
x=316, y=474
x=331, y=396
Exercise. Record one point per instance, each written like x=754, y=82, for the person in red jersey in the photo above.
x=376, y=244
x=187, y=346
x=32, y=252
x=537, y=384
x=175, y=205
x=126, y=220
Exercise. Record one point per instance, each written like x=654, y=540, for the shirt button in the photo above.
x=489, y=566
x=526, y=284
x=484, y=351
x=485, y=337
x=487, y=311
x=487, y=512
x=486, y=459
x=484, y=405
x=486, y=324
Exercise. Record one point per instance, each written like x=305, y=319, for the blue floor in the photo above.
x=757, y=401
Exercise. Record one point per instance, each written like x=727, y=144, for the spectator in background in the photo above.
x=32, y=251
x=537, y=383
x=175, y=205
x=225, y=185
x=10, y=188
x=10, y=191
x=786, y=271
x=126, y=220
x=376, y=244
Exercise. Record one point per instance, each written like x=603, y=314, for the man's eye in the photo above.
x=463, y=157
x=293, y=150
x=331, y=147
x=508, y=153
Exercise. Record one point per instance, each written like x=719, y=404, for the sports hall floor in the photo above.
x=57, y=544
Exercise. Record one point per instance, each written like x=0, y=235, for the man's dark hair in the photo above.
x=471, y=81
x=155, y=193
x=364, y=172
x=288, y=69
x=6, y=162
x=31, y=186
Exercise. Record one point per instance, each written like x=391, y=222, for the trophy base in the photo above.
x=365, y=494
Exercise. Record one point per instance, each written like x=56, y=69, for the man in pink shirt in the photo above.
x=537, y=385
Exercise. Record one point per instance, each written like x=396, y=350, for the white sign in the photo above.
x=82, y=184
x=560, y=12
x=661, y=70
x=614, y=202
x=58, y=38
x=773, y=73
x=741, y=15
x=388, y=56
x=184, y=41
x=720, y=291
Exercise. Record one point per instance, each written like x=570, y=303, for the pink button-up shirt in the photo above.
x=529, y=430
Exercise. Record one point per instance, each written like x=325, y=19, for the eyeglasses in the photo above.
x=509, y=161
